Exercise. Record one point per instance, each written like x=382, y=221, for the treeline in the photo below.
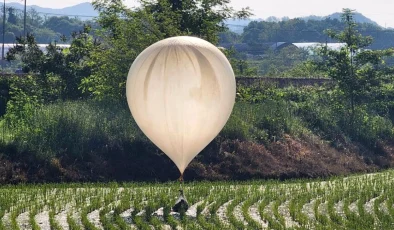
x=45, y=28
x=301, y=30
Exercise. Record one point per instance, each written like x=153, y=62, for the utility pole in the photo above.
x=2, y=51
x=24, y=22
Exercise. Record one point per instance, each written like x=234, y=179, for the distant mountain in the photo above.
x=237, y=25
x=358, y=17
x=86, y=9
x=81, y=10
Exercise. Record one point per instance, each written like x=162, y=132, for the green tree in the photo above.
x=58, y=70
x=359, y=73
x=34, y=18
x=12, y=18
x=63, y=25
x=127, y=32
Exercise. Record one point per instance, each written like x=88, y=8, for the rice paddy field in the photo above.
x=355, y=202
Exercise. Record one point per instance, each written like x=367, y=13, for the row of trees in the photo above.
x=46, y=29
x=301, y=30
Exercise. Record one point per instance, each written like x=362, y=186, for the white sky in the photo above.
x=381, y=11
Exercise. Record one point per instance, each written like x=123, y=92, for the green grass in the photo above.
x=72, y=127
x=78, y=128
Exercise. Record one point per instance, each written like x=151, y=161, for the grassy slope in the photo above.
x=93, y=141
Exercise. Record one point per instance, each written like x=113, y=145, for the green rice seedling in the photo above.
x=200, y=208
x=120, y=222
x=32, y=221
x=201, y=219
x=52, y=222
x=138, y=220
x=72, y=223
x=2, y=212
x=106, y=222
x=252, y=224
x=155, y=222
x=352, y=218
x=14, y=223
x=192, y=226
x=150, y=208
x=85, y=222
x=273, y=223
x=389, y=204
x=320, y=217
x=275, y=210
x=384, y=221
x=230, y=214
x=295, y=207
x=366, y=219
x=334, y=217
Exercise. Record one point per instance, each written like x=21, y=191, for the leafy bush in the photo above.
x=322, y=110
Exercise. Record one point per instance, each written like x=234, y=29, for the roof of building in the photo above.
x=312, y=45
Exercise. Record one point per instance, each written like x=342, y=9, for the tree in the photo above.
x=229, y=37
x=34, y=18
x=63, y=25
x=12, y=18
x=358, y=73
x=127, y=32
x=63, y=67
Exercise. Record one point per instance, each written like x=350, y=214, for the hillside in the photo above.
x=81, y=10
x=237, y=25
x=47, y=25
x=358, y=17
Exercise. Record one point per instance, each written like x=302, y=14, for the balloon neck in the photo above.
x=181, y=182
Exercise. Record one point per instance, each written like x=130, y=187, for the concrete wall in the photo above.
x=282, y=82
x=278, y=82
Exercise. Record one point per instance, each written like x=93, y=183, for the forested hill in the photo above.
x=358, y=17
x=300, y=30
x=48, y=25
x=83, y=9
x=237, y=25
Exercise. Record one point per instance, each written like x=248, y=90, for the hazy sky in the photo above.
x=381, y=11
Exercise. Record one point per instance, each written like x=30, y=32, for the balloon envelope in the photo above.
x=181, y=92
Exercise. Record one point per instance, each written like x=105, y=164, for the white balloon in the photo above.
x=181, y=92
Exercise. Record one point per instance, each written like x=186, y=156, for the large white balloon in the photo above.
x=181, y=92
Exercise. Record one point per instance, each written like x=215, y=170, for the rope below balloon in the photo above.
x=181, y=204
x=181, y=181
